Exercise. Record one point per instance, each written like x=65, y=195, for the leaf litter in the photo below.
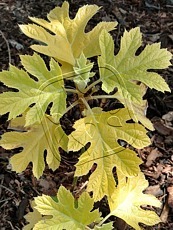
x=164, y=160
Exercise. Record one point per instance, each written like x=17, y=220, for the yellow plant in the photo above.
x=37, y=106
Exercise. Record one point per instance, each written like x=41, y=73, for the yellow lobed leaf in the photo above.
x=107, y=226
x=139, y=111
x=35, y=140
x=48, y=88
x=126, y=70
x=68, y=40
x=66, y=212
x=32, y=217
x=127, y=199
x=83, y=71
x=102, y=131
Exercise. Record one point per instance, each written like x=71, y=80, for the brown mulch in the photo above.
x=155, y=18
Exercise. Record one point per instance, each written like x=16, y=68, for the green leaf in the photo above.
x=35, y=140
x=127, y=199
x=68, y=40
x=48, y=88
x=82, y=69
x=64, y=213
x=102, y=131
x=126, y=70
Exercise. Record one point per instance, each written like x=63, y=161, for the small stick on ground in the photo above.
x=8, y=47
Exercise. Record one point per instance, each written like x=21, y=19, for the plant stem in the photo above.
x=74, y=183
x=92, y=85
x=71, y=90
x=71, y=106
x=86, y=104
x=100, y=97
x=104, y=219
x=88, y=108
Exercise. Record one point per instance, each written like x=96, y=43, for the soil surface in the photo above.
x=155, y=18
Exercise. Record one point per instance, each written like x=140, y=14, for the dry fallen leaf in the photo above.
x=170, y=196
x=167, y=169
x=152, y=156
x=165, y=212
x=168, y=116
x=154, y=190
x=48, y=186
x=160, y=127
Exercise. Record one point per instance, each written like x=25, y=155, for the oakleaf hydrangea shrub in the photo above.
x=40, y=101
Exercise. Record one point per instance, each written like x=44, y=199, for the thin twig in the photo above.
x=1, y=201
x=8, y=47
x=11, y=225
x=2, y=186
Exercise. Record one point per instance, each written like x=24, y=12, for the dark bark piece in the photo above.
x=21, y=209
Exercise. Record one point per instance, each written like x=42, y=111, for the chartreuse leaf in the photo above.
x=139, y=111
x=68, y=40
x=107, y=226
x=33, y=217
x=40, y=93
x=127, y=199
x=66, y=212
x=126, y=69
x=35, y=140
x=82, y=70
x=102, y=131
